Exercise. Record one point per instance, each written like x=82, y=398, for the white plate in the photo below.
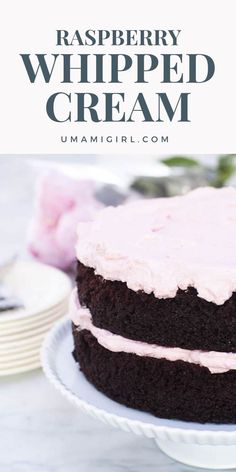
x=31, y=365
x=15, y=356
x=19, y=362
x=35, y=324
x=27, y=330
x=28, y=342
x=26, y=334
x=28, y=320
x=40, y=287
x=209, y=445
x=23, y=343
x=17, y=349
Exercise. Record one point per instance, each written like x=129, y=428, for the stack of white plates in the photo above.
x=44, y=293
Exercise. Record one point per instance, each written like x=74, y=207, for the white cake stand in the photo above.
x=207, y=446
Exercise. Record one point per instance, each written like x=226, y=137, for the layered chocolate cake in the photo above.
x=154, y=312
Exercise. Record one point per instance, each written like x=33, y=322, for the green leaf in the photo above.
x=225, y=169
x=180, y=161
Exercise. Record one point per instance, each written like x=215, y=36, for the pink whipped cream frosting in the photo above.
x=215, y=362
x=161, y=245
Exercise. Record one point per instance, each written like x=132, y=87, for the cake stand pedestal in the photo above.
x=207, y=457
x=206, y=446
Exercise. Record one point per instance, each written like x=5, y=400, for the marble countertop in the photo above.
x=39, y=430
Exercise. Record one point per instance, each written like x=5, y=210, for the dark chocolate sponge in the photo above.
x=185, y=321
x=175, y=390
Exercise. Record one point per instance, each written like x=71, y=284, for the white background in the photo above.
x=30, y=27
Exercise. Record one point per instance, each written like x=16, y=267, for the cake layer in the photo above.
x=185, y=321
x=176, y=390
x=215, y=362
x=162, y=245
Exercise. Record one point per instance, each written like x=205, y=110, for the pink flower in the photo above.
x=61, y=202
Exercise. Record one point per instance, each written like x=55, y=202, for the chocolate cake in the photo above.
x=154, y=311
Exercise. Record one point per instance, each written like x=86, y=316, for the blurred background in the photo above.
x=43, y=198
